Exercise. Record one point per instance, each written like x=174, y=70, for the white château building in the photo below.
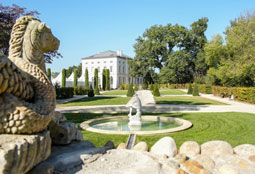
x=115, y=61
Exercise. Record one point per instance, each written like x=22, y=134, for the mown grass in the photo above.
x=118, y=92
x=91, y=101
x=186, y=100
x=172, y=92
x=235, y=128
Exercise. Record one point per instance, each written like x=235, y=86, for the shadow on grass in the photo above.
x=88, y=99
x=182, y=102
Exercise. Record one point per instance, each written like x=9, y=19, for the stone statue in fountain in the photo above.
x=135, y=120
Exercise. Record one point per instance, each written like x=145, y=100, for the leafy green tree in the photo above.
x=75, y=80
x=91, y=92
x=63, y=84
x=49, y=73
x=96, y=90
x=195, y=91
x=130, y=91
x=151, y=87
x=72, y=68
x=156, y=92
x=86, y=79
x=135, y=87
x=190, y=89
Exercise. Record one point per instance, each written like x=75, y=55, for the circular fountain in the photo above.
x=136, y=124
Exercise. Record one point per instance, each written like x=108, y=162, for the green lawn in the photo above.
x=91, y=101
x=118, y=92
x=172, y=92
x=235, y=128
x=185, y=100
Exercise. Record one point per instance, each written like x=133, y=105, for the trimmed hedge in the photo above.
x=63, y=93
x=80, y=90
x=205, y=89
x=135, y=87
x=130, y=91
x=239, y=93
x=190, y=89
x=123, y=87
x=156, y=90
x=91, y=92
x=195, y=91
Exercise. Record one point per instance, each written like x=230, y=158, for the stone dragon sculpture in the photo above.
x=27, y=97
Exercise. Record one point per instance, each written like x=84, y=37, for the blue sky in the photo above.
x=86, y=27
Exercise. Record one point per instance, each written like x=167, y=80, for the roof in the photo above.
x=107, y=54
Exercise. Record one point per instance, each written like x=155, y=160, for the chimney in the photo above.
x=119, y=53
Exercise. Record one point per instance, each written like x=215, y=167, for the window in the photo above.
x=111, y=68
x=104, y=67
x=92, y=62
x=119, y=80
x=98, y=69
x=111, y=80
x=104, y=61
x=98, y=62
x=119, y=69
x=124, y=80
x=86, y=62
x=123, y=69
x=110, y=61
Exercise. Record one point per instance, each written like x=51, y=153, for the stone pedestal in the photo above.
x=20, y=153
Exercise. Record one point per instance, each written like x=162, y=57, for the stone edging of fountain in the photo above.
x=184, y=125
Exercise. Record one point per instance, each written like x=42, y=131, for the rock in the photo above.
x=20, y=153
x=205, y=161
x=109, y=145
x=59, y=117
x=241, y=163
x=42, y=168
x=227, y=169
x=190, y=148
x=141, y=146
x=165, y=146
x=245, y=149
x=63, y=133
x=180, y=171
x=195, y=167
x=180, y=158
x=122, y=146
x=126, y=162
x=216, y=148
x=252, y=158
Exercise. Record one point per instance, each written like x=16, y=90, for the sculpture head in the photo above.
x=30, y=38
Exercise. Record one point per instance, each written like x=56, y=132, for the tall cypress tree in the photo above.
x=107, y=79
x=86, y=79
x=96, y=90
x=104, y=79
x=75, y=78
x=49, y=74
x=63, y=85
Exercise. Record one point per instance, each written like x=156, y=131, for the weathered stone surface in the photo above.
x=109, y=145
x=165, y=146
x=27, y=96
x=245, y=149
x=180, y=158
x=195, y=167
x=122, y=146
x=43, y=168
x=216, y=148
x=252, y=158
x=141, y=146
x=20, y=153
x=205, y=161
x=190, y=148
x=227, y=169
x=241, y=163
x=64, y=133
x=126, y=162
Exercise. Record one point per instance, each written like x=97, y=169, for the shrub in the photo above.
x=135, y=87
x=107, y=82
x=206, y=89
x=63, y=84
x=195, y=91
x=156, y=90
x=96, y=90
x=75, y=78
x=151, y=87
x=63, y=93
x=123, y=87
x=130, y=91
x=190, y=90
x=104, y=79
x=144, y=86
x=91, y=92
x=86, y=79
x=49, y=74
x=80, y=90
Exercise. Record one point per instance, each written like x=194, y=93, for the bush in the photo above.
x=91, y=92
x=130, y=91
x=80, y=90
x=96, y=90
x=195, y=91
x=86, y=79
x=144, y=86
x=135, y=87
x=156, y=90
x=151, y=87
x=63, y=84
x=63, y=93
x=177, y=86
x=75, y=78
x=163, y=86
x=107, y=80
x=190, y=90
x=123, y=87
x=205, y=89
x=49, y=74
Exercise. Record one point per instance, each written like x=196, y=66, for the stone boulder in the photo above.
x=195, y=167
x=216, y=148
x=227, y=169
x=190, y=148
x=165, y=146
x=141, y=146
x=245, y=149
x=20, y=153
x=205, y=161
x=122, y=146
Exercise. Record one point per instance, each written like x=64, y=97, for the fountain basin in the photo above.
x=150, y=125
